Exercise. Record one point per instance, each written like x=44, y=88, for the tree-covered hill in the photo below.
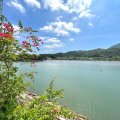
x=116, y=46
x=112, y=53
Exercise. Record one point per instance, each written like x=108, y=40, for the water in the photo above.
x=91, y=88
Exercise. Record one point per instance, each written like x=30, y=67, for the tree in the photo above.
x=12, y=84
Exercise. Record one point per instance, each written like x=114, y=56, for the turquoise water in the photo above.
x=91, y=88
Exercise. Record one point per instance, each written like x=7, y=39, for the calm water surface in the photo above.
x=91, y=88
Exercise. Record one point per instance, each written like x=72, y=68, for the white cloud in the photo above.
x=17, y=32
x=16, y=27
x=75, y=18
x=78, y=6
x=53, y=40
x=52, y=43
x=47, y=28
x=17, y=5
x=86, y=13
x=72, y=6
x=43, y=38
x=61, y=32
x=53, y=46
x=33, y=3
x=71, y=39
x=90, y=24
x=55, y=5
x=59, y=18
x=61, y=28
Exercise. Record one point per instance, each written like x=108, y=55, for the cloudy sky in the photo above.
x=66, y=25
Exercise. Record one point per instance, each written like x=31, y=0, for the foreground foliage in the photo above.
x=12, y=85
x=44, y=107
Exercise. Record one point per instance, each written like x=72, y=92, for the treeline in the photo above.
x=96, y=54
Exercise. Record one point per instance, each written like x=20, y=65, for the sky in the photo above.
x=67, y=25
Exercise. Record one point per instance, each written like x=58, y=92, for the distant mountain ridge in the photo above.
x=116, y=46
x=112, y=53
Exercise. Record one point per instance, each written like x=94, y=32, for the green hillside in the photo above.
x=110, y=54
x=116, y=46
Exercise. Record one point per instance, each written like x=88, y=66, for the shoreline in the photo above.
x=28, y=96
x=34, y=61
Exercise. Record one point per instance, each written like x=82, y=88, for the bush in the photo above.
x=12, y=85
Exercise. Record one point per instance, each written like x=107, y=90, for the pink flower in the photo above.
x=25, y=43
x=9, y=28
x=36, y=44
x=5, y=35
x=26, y=46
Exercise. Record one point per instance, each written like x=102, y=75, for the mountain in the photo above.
x=96, y=54
x=112, y=53
x=116, y=46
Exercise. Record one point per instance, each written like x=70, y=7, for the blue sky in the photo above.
x=66, y=25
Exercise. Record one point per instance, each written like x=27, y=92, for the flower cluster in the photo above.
x=35, y=41
x=8, y=31
x=25, y=43
x=5, y=35
x=36, y=44
x=8, y=28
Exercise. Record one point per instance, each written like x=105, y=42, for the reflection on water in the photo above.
x=90, y=87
